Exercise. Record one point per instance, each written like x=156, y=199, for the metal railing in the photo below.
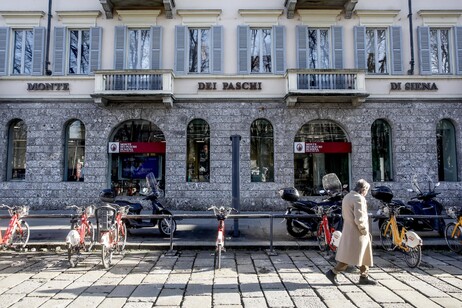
x=326, y=79
x=113, y=81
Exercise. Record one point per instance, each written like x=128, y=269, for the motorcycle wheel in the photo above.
x=413, y=256
x=165, y=228
x=321, y=237
x=454, y=243
x=106, y=256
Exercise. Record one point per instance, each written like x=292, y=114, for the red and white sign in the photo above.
x=136, y=147
x=299, y=147
x=322, y=147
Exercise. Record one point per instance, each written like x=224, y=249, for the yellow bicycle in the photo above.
x=453, y=230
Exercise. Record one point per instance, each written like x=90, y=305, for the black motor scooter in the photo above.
x=165, y=225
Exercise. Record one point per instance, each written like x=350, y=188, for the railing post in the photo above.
x=171, y=252
x=271, y=251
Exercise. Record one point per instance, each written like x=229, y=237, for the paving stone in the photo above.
x=30, y=302
x=197, y=302
x=145, y=293
x=170, y=297
x=253, y=302
x=56, y=303
x=278, y=298
x=117, y=302
x=448, y=302
x=417, y=299
x=224, y=297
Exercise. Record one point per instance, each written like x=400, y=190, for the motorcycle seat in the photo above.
x=304, y=204
x=133, y=206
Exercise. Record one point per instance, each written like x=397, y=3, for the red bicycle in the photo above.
x=82, y=234
x=327, y=236
x=221, y=214
x=17, y=234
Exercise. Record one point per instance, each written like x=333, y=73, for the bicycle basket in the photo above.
x=20, y=210
x=105, y=216
x=453, y=212
x=90, y=210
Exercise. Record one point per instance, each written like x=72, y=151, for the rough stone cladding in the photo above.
x=413, y=126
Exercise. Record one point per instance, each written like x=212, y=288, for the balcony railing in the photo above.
x=145, y=84
x=329, y=84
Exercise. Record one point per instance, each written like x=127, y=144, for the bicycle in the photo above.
x=453, y=230
x=82, y=234
x=394, y=235
x=221, y=214
x=112, y=231
x=326, y=235
x=18, y=232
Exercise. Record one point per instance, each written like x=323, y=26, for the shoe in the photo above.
x=332, y=277
x=367, y=281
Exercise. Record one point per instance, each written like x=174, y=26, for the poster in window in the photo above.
x=137, y=167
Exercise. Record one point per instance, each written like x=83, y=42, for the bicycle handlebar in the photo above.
x=221, y=211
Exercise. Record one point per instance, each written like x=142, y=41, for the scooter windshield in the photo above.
x=331, y=183
x=151, y=182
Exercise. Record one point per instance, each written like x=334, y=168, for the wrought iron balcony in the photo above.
x=346, y=5
x=110, y=5
x=326, y=85
x=137, y=85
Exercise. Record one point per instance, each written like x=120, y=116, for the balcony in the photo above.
x=346, y=5
x=326, y=85
x=134, y=85
x=110, y=5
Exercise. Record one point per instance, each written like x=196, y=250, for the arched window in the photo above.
x=261, y=151
x=17, y=143
x=446, y=151
x=382, y=156
x=198, y=151
x=74, y=151
x=137, y=148
x=320, y=147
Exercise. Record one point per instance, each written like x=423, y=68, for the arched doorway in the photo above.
x=136, y=148
x=320, y=147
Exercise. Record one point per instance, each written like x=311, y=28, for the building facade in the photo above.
x=97, y=93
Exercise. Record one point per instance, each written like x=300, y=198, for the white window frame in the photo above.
x=439, y=68
x=318, y=64
x=261, y=68
x=23, y=51
x=199, y=49
x=376, y=46
x=79, y=52
x=139, y=49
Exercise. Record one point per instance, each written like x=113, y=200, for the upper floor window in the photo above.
x=381, y=151
x=261, y=50
x=198, y=155
x=76, y=51
x=75, y=151
x=198, y=50
x=318, y=43
x=439, y=50
x=378, y=50
x=446, y=151
x=17, y=142
x=262, y=151
x=22, y=51
x=139, y=48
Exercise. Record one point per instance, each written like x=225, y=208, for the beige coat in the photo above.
x=355, y=248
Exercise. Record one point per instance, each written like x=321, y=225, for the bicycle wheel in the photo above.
x=386, y=237
x=413, y=256
x=165, y=228
x=20, y=235
x=121, y=237
x=321, y=237
x=89, y=240
x=218, y=256
x=454, y=242
x=106, y=256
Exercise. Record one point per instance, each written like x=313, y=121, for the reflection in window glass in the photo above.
x=17, y=142
x=381, y=151
x=198, y=151
x=318, y=43
x=446, y=151
x=439, y=49
x=75, y=140
x=260, y=54
x=376, y=49
x=199, y=50
x=139, y=49
x=262, y=151
x=22, y=53
x=79, y=51
x=309, y=168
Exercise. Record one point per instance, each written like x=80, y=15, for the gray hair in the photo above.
x=362, y=186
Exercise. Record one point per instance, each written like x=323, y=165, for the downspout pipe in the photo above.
x=48, y=72
x=411, y=38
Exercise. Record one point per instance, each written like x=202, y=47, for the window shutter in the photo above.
x=424, y=50
x=119, y=44
x=243, y=57
x=180, y=49
x=4, y=39
x=156, y=47
x=458, y=44
x=302, y=47
x=217, y=50
x=38, y=51
x=95, y=48
x=337, y=47
x=396, y=54
x=279, y=55
x=360, y=47
x=59, y=51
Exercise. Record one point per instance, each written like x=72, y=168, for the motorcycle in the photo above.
x=151, y=193
x=300, y=227
x=424, y=203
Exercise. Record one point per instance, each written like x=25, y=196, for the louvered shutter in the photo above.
x=360, y=47
x=396, y=53
x=120, y=42
x=217, y=50
x=337, y=47
x=4, y=39
x=302, y=47
x=279, y=55
x=95, y=48
x=156, y=47
x=180, y=49
x=243, y=57
x=59, y=51
x=38, y=51
x=458, y=45
x=423, y=35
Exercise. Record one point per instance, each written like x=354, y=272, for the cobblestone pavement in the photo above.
x=248, y=278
